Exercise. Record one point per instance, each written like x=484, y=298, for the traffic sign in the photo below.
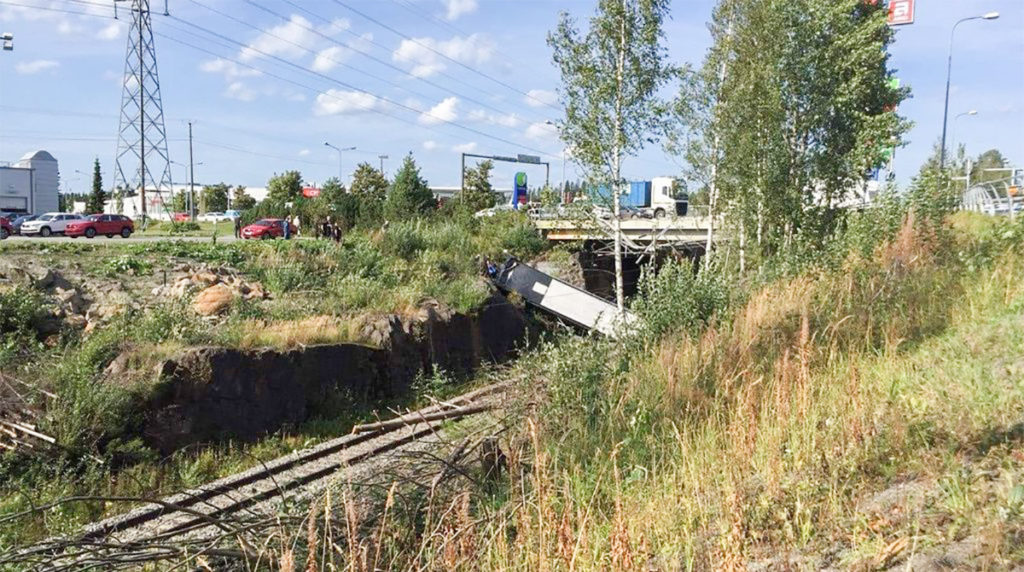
x=534, y=159
x=901, y=12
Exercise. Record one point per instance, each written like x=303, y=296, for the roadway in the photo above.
x=135, y=239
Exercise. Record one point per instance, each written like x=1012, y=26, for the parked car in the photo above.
x=106, y=224
x=19, y=220
x=499, y=208
x=267, y=229
x=214, y=217
x=180, y=217
x=5, y=228
x=48, y=223
x=634, y=212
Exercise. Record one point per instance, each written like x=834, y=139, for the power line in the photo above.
x=346, y=85
x=52, y=9
x=445, y=56
x=367, y=55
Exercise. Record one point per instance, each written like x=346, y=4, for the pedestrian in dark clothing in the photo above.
x=238, y=227
x=337, y=233
x=287, y=229
x=325, y=229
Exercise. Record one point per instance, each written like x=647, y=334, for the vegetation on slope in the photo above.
x=859, y=413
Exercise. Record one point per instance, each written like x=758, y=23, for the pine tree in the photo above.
x=477, y=194
x=409, y=194
x=95, y=202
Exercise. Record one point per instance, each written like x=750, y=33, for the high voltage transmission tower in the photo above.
x=141, y=138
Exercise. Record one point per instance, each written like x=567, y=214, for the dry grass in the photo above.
x=288, y=334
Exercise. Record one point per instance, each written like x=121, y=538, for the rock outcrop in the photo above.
x=211, y=393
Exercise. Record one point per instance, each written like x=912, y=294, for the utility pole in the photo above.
x=382, y=157
x=191, y=178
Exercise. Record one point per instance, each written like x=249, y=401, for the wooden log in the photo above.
x=25, y=429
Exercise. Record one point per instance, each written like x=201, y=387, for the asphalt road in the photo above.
x=135, y=238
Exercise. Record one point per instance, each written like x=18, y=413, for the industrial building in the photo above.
x=30, y=185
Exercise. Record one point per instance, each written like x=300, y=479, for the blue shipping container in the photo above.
x=639, y=195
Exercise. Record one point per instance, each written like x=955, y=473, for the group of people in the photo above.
x=330, y=230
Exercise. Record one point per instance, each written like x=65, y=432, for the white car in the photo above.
x=500, y=208
x=49, y=223
x=214, y=217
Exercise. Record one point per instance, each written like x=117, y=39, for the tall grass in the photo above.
x=766, y=436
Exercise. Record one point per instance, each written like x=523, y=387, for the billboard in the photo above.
x=310, y=192
x=901, y=12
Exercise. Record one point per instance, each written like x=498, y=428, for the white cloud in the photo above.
x=339, y=102
x=304, y=152
x=229, y=69
x=111, y=31
x=465, y=147
x=422, y=53
x=282, y=40
x=430, y=145
x=441, y=113
x=328, y=59
x=456, y=8
x=481, y=116
x=67, y=28
x=542, y=131
x=540, y=98
x=35, y=66
x=361, y=43
x=240, y=91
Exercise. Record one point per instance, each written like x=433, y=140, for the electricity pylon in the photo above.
x=141, y=138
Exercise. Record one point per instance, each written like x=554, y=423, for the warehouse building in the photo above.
x=30, y=185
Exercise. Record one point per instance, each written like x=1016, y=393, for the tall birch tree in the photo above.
x=611, y=76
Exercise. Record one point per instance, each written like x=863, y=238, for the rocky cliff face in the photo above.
x=211, y=393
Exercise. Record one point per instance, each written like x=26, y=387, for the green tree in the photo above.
x=241, y=201
x=803, y=113
x=371, y=186
x=94, y=203
x=477, y=192
x=991, y=159
x=179, y=201
x=285, y=187
x=611, y=76
x=409, y=194
x=214, y=198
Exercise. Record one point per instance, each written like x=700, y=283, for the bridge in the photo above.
x=638, y=234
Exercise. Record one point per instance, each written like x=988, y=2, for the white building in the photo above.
x=159, y=204
x=30, y=185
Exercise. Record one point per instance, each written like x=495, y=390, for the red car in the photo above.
x=267, y=229
x=105, y=224
x=180, y=217
x=5, y=228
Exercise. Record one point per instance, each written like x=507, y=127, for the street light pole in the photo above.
x=949, y=69
x=382, y=157
x=339, y=150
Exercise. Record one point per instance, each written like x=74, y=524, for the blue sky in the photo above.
x=60, y=87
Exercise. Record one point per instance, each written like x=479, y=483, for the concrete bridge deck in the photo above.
x=663, y=231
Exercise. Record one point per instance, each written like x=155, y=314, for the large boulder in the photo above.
x=213, y=300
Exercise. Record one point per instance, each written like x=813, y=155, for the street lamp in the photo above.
x=190, y=207
x=339, y=150
x=949, y=68
x=382, y=158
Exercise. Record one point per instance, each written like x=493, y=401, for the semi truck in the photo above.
x=659, y=197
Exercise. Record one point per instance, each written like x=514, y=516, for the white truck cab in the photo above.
x=668, y=197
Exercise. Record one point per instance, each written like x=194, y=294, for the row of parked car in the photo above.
x=68, y=224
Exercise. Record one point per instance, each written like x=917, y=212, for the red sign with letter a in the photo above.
x=901, y=12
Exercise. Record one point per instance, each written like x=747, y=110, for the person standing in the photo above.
x=287, y=228
x=238, y=227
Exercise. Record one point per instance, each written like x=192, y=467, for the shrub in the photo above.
x=680, y=298
x=126, y=264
